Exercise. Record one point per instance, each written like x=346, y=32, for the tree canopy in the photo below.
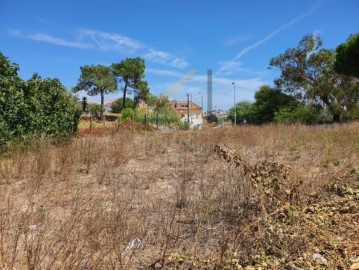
x=163, y=106
x=269, y=100
x=347, y=57
x=96, y=80
x=117, y=107
x=151, y=100
x=130, y=73
x=244, y=111
x=307, y=72
x=36, y=107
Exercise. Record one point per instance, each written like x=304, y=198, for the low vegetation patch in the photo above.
x=251, y=197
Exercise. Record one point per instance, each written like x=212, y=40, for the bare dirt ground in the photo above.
x=271, y=197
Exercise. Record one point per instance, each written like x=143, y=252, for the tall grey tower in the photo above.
x=209, y=90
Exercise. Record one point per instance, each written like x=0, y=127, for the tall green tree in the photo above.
x=131, y=72
x=268, y=101
x=13, y=109
x=244, y=111
x=96, y=80
x=52, y=109
x=307, y=72
x=347, y=57
x=141, y=93
x=152, y=100
x=163, y=105
x=34, y=107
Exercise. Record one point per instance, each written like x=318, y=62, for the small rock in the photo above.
x=33, y=227
x=133, y=244
x=355, y=266
x=319, y=257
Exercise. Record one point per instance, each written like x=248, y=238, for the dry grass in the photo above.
x=79, y=205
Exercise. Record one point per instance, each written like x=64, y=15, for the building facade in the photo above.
x=188, y=111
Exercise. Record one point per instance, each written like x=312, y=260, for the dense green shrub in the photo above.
x=127, y=114
x=145, y=117
x=347, y=57
x=269, y=100
x=34, y=108
x=118, y=105
x=244, y=111
x=304, y=114
x=163, y=119
x=184, y=125
x=212, y=118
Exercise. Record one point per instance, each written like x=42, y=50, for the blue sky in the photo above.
x=236, y=39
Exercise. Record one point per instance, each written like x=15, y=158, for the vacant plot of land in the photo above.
x=271, y=197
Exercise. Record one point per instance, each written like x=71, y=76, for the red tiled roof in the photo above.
x=110, y=102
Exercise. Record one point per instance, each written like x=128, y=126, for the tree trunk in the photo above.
x=330, y=106
x=124, y=97
x=102, y=102
x=135, y=102
x=336, y=118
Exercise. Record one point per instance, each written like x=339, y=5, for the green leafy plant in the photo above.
x=118, y=105
x=304, y=114
x=127, y=114
x=95, y=109
x=347, y=57
x=212, y=118
x=184, y=125
x=244, y=110
x=34, y=108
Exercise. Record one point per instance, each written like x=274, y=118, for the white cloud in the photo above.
x=230, y=67
x=116, y=42
x=110, y=41
x=58, y=41
x=165, y=58
x=52, y=40
x=178, y=63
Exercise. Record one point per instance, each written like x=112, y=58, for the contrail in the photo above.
x=275, y=32
x=94, y=39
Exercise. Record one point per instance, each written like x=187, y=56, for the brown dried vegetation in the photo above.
x=270, y=197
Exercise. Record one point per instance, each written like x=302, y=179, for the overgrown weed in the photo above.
x=81, y=204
